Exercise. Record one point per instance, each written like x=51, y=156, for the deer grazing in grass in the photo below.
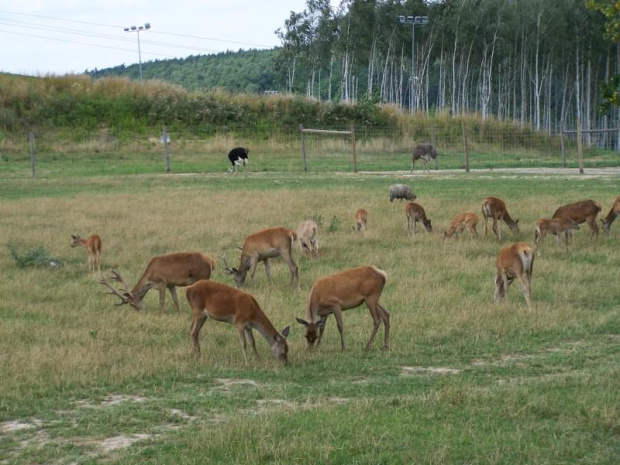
x=466, y=220
x=92, y=244
x=514, y=261
x=495, y=208
x=424, y=152
x=219, y=302
x=342, y=291
x=164, y=272
x=556, y=226
x=361, y=220
x=611, y=216
x=308, y=237
x=416, y=214
x=584, y=211
x=260, y=247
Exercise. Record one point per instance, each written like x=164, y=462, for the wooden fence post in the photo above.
x=166, y=141
x=562, y=146
x=354, y=151
x=466, y=147
x=580, y=146
x=33, y=160
x=303, y=147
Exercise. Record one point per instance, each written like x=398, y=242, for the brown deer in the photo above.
x=611, y=216
x=514, y=261
x=93, y=248
x=555, y=226
x=495, y=208
x=580, y=212
x=461, y=221
x=342, y=291
x=361, y=220
x=164, y=272
x=415, y=214
x=220, y=302
x=308, y=237
x=424, y=152
x=260, y=247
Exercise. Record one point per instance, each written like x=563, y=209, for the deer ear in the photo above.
x=285, y=331
x=75, y=237
x=302, y=322
x=248, y=264
x=322, y=321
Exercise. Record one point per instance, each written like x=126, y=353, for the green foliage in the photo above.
x=36, y=257
x=334, y=224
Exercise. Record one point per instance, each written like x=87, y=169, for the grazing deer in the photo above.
x=219, y=302
x=415, y=213
x=93, y=247
x=556, y=227
x=580, y=212
x=611, y=216
x=461, y=221
x=424, y=152
x=164, y=272
x=308, y=237
x=495, y=208
x=361, y=219
x=514, y=261
x=260, y=247
x=342, y=291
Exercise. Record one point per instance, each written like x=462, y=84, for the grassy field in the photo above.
x=466, y=381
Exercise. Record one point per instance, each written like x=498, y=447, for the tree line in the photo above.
x=537, y=62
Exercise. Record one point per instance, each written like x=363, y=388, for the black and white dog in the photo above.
x=238, y=157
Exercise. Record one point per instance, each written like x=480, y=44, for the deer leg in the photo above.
x=161, y=287
x=287, y=256
x=415, y=227
x=526, y=291
x=385, y=317
x=376, y=320
x=248, y=331
x=253, y=265
x=499, y=287
x=338, y=316
x=593, y=227
x=268, y=270
x=321, y=331
x=242, y=341
x=495, y=229
x=197, y=323
x=412, y=164
x=97, y=261
x=173, y=293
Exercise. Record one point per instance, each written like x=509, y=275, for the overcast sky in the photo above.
x=40, y=37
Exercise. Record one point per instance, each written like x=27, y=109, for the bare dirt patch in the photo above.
x=122, y=442
x=409, y=370
x=110, y=401
x=18, y=425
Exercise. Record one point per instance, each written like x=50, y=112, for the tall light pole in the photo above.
x=137, y=30
x=414, y=21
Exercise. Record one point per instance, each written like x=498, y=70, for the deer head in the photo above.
x=238, y=274
x=124, y=295
x=312, y=329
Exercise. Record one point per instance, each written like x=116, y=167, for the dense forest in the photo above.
x=537, y=62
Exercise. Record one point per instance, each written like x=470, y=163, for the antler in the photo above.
x=113, y=291
x=227, y=269
x=119, y=279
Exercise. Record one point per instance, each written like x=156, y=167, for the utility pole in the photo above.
x=137, y=30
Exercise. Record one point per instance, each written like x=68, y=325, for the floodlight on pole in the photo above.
x=414, y=21
x=137, y=30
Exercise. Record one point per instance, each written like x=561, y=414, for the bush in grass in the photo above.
x=36, y=257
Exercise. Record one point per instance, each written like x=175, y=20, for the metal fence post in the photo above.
x=466, y=147
x=354, y=151
x=303, y=147
x=166, y=141
x=579, y=146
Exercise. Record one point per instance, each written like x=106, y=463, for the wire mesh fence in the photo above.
x=280, y=150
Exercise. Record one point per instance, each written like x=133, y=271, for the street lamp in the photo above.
x=137, y=30
x=414, y=21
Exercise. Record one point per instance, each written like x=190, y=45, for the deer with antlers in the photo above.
x=495, y=208
x=164, y=272
x=514, y=261
x=260, y=247
x=416, y=214
x=92, y=244
x=611, y=216
x=342, y=291
x=584, y=211
x=219, y=302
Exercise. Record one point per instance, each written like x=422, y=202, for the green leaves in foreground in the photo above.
x=36, y=257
